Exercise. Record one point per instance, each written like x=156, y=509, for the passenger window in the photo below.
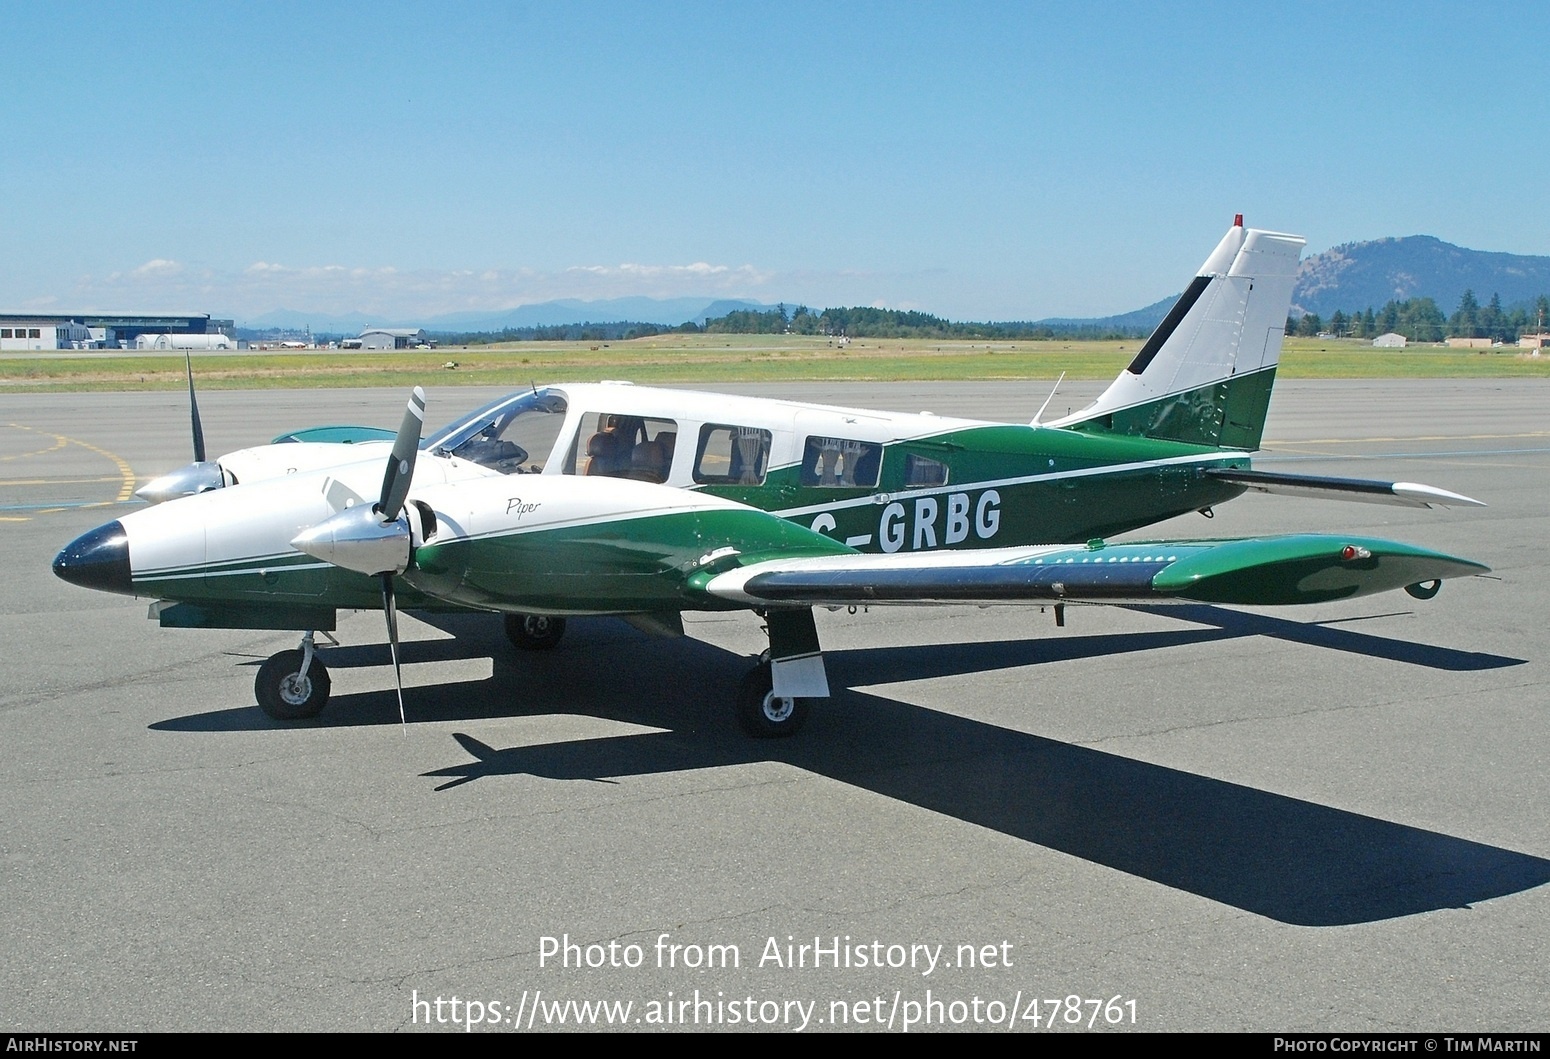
x=839, y=462
x=624, y=446
x=920, y=472
x=731, y=455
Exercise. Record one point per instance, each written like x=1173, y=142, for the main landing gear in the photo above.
x=293, y=685
x=765, y=715
x=534, y=632
x=777, y=694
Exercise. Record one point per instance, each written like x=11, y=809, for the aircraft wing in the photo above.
x=1407, y=494
x=1298, y=568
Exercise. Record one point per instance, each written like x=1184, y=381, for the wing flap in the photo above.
x=1302, y=568
x=1407, y=494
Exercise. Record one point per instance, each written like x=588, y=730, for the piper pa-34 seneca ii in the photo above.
x=645, y=503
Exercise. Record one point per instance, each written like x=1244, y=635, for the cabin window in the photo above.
x=614, y=445
x=841, y=463
x=729, y=455
x=921, y=472
x=5, y=332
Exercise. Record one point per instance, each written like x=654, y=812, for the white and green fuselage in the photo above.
x=612, y=498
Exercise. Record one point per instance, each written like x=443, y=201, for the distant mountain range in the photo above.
x=1349, y=277
x=666, y=312
x=1137, y=320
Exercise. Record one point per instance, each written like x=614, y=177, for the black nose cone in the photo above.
x=99, y=559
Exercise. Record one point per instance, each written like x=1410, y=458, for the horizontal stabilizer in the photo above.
x=1406, y=494
x=1302, y=568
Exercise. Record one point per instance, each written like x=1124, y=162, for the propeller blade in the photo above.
x=400, y=470
x=193, y=411
x=390, y=610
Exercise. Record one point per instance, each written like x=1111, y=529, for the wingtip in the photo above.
x=1431, y=496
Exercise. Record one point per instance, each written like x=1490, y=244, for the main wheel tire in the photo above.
x=764, y=716
x=284, y=694
x=534, y=632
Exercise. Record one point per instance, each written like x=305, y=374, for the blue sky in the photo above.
x=980, y=161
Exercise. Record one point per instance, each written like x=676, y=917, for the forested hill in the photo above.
x=1354, y=276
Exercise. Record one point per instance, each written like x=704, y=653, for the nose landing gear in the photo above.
x=534, y=632
x=293, y=685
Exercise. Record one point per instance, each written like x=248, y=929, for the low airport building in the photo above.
x=189, y=342
x=40, y=331
x=25, y=334
x=394, y=338
x=1390, y=341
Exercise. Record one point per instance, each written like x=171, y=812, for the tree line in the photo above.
x=869, y=322
x=853, y=322
x=1420, y=320
x=615, y=331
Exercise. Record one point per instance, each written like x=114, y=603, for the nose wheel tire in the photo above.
x=285, y=694
x=534, y=632
x=765, y=715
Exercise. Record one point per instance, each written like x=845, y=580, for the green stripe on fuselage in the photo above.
x=1006, y=486
x=279, y=580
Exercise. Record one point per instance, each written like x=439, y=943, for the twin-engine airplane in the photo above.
x=645, y=503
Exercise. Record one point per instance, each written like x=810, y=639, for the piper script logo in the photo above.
x=516, y=505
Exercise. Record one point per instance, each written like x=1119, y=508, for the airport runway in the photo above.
x=1328, y=818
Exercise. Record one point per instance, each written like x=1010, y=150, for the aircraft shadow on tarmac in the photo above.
x=1283, y=858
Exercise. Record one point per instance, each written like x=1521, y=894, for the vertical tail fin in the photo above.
x=1204, y=376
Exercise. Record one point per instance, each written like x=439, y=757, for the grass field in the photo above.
x=714, y=358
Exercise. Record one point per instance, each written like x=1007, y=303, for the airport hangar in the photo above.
x=39, y=331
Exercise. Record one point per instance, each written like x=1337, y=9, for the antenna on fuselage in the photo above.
x=1040, y=413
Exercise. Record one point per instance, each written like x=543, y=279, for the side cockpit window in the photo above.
x=514, y=438
x=841, y=463
x=624, y=446
x=731, y=455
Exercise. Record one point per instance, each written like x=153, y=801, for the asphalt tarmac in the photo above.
x=1326, y=818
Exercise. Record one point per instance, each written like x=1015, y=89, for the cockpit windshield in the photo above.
x=513, y=435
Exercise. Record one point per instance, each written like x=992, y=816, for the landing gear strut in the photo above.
x=293, y=685
x=777, y=694
x=534, y=632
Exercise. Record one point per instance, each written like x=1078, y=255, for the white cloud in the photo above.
x=157, y=267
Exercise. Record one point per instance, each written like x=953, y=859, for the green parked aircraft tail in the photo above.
x=1204, y=376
